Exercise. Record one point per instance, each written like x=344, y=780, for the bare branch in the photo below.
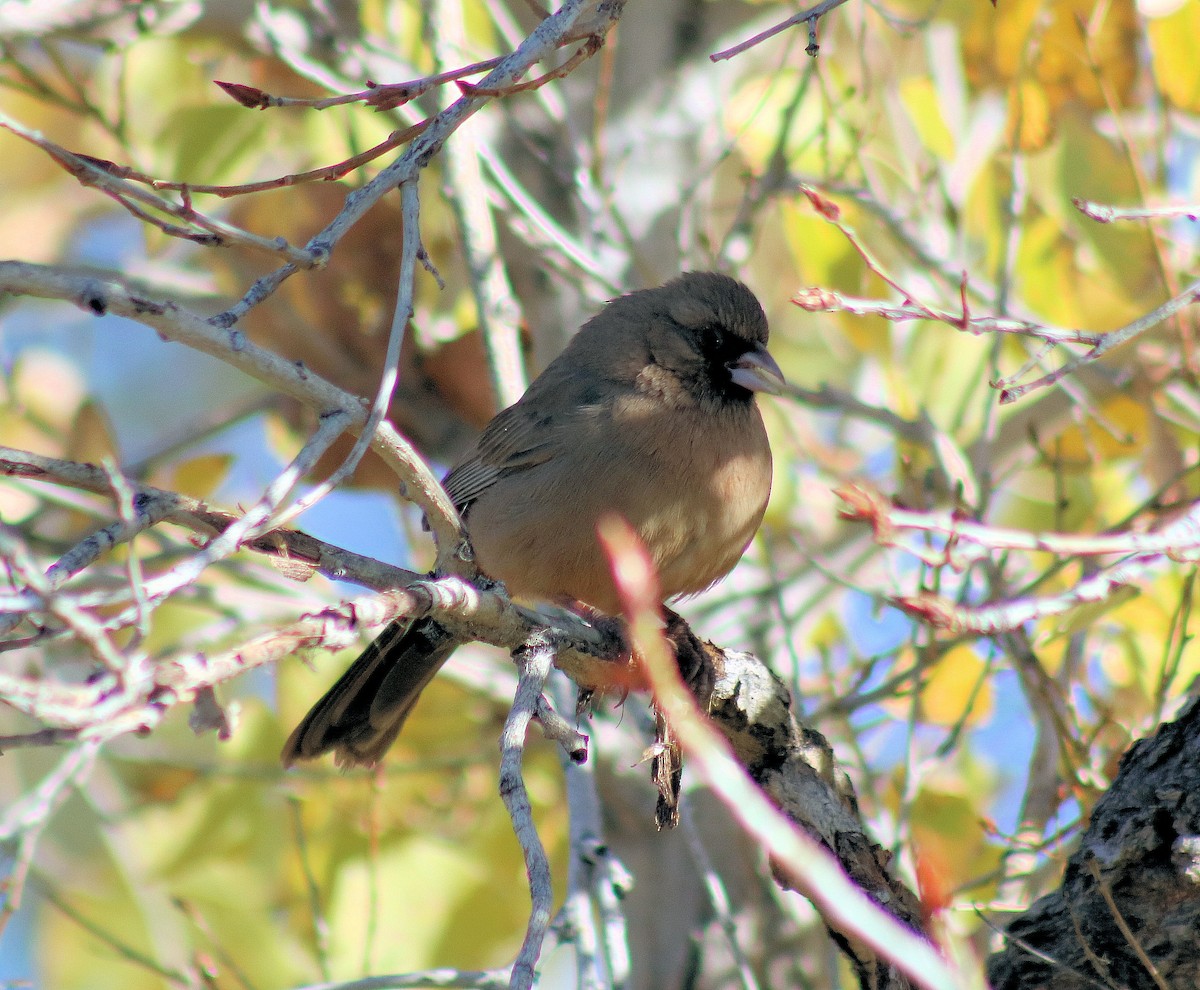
x=1010, y=615
x=592, y=919
x=558, y=28
x=101, y=295
x=871, y=933
x=817, y=300
x=1103, y=213
x=1010, y=392
x=93, y=172
x=380, y=96
x=534, y=661
x=324, y=174
x=450, y=557
x=27, y=817
x=1179, y=540
x=810, y=16
x=498, y=312
x=154, y=505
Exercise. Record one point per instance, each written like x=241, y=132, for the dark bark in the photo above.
x=796, y=767
x=1128, y=911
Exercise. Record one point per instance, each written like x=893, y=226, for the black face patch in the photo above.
x=719, y=348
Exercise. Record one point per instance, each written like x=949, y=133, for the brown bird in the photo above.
x=649, y=413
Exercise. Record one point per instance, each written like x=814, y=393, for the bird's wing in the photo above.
x=519, y=438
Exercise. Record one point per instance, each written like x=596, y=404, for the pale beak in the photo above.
x=756, y=371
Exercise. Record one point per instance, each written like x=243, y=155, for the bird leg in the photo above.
x=695, y=660
x=693, y=656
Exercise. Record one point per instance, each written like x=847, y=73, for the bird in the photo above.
x=650, y=414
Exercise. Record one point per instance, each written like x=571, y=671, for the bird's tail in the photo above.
x=361, y=715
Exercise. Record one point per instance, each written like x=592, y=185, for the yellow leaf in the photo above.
x=920, y=99
x=91, y=437
x=1175, y=55
x=948, y=834
x=1029, y=126
x=953, y=692
x=1138, y=653
x=1089, y=441
x=1071, y=46
x=1086, y=43
x=200, y=476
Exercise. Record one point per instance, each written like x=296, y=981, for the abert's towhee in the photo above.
x=648, y=414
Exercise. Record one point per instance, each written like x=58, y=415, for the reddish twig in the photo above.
x=581, y=55
x=1179, y=540
x=832, y=214
x=1141, y=556
x=811, y=16
x=387, y=96
x=326, y=173
x=819, y=300
x=138, y=200
x=1010, y=392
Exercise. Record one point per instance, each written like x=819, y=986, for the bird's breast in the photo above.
x=693, y=486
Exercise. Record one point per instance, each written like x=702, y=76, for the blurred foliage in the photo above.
x=953, y=137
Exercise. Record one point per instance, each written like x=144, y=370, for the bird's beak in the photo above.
x=757, y=371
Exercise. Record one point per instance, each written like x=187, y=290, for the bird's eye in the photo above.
x=713, y=338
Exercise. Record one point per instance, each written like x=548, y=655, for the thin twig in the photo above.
x=534, y=662
x=817, y=300
x=101, y=295
x=811, y=16
x=1178, y=540
x=123, y=494
x=154, y=505
x=319, y=921
x=1103, y=213
x=257, y=520
x=1010, y=392
x=87, y=628
x=29, y=815
x=187, y=979
x=544, y=39
x=596, y=880
x=410, y=250
x=808, y=866
x=382, y=96
x=35, y=807
x=1123, y=925
x=92, y=172
x=540, y=230
x=424, y=979
x=1011, y=615
x=497, y=311
x=718, y=896
x=326, y=173
x=578, y=57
